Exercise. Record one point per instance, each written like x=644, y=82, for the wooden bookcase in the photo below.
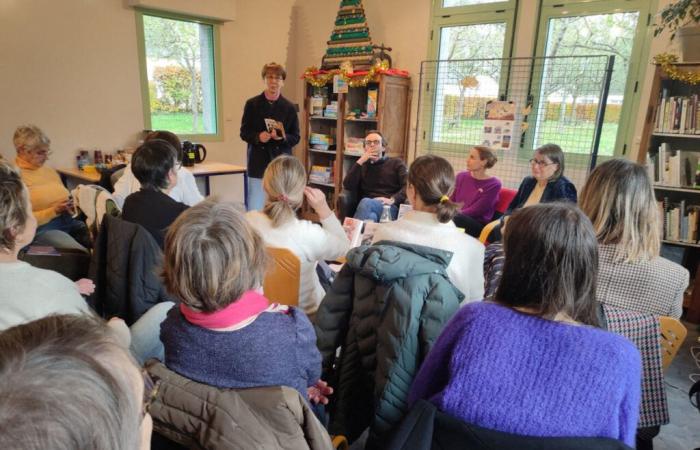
x=392, y=120
x=671, y=192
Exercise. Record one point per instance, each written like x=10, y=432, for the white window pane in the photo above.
x=453, y=3
x=568, y=110
x=181, y=83
x=465, y=84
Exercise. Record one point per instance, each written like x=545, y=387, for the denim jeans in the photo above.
x=65, y=223
x=145, y=333
x=371, y=209
x=256, y=194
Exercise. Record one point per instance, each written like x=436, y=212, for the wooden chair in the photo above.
x=504, y=198
x=282, y=279
x=673, y=334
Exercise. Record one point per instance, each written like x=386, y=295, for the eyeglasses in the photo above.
x=540, y=163
x=150, y=391
x=273, y=77
x=41, y=152
x=370, y=142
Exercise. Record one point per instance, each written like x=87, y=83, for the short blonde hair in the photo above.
x=212, y=256
x=13, y=205
x=283, y=182
x=619, y=200
x=29, y=137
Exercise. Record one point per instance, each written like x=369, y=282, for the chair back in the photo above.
x=673, y=334
x=282, y=279
x=504, y=198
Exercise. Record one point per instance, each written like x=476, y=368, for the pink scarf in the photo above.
x=250, y=304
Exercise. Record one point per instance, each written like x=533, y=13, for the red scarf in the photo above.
x=250, y=304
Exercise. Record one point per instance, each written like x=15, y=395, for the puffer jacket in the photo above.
x=124, y=268
x=385, y=309
x=199, y=416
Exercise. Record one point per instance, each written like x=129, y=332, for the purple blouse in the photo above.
x=479, y=197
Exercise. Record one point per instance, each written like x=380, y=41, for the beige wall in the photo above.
x=72, y=68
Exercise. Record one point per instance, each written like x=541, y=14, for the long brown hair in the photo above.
x=551, y=262
x=433, y=178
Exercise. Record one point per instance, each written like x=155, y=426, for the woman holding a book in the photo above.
x=619, y=200
x=284, y=182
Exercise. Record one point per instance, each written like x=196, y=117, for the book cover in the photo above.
x=353, y=230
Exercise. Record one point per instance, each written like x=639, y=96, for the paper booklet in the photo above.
x=353, y=229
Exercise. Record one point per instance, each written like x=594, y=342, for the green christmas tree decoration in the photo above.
x=350, y=39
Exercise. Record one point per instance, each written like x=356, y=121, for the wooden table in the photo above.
x=204, y=170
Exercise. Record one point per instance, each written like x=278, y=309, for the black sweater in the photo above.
x=256, y=110
x=385, y=178
x=153, y=210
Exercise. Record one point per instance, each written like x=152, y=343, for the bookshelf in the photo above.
x=670, y=147
x=334, y=126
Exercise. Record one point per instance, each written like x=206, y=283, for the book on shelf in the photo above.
x=675, y=168
x=321, y=174
x=354, y=146
x=677, y=114
x=680, y=221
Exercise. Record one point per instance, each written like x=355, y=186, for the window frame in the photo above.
x=143, y=68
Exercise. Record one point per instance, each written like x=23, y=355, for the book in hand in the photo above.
x=353, y=229
x=43, y=250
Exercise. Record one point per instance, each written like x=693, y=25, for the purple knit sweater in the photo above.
x=500, y=369
x=479, y=197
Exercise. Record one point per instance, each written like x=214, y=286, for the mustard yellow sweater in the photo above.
x=45, y=189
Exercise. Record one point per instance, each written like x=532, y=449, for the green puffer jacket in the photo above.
x=385, y=309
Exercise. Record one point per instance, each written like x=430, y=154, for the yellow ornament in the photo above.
x=667, y=62
x=346, y=67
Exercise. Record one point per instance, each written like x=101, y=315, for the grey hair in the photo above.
x=619, y=200
x=64, y=387
x=13, y=205
x=29, y=137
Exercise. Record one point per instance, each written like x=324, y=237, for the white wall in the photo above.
x=71, y=67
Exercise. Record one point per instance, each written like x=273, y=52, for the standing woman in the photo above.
x=430, y=182
x=476, y=191
x=619, y=200
x=270, y=126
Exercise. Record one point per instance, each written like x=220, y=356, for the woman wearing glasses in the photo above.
x=546, y=184
x=51, y=202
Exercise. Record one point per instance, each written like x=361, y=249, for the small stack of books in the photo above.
x=321, y=174
x=331, y=110
x=320, y=141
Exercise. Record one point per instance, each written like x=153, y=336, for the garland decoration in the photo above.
x=318, y=78
x=667, y=63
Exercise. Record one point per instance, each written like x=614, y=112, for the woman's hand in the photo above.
x=85, y=286
x=264, y=136
x=317, y=201
x=319, y=392
x=64, y=206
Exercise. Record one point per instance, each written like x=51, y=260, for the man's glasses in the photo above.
x=371, y=142
x=540, y=163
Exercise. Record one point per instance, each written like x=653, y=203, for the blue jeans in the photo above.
x=256, y=194
x=145, y=333
x=371, y=209
x=65, y=223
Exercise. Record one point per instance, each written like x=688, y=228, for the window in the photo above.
x=179, y=74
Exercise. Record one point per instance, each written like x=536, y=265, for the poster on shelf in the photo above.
x=499, y=123
x=340, y=86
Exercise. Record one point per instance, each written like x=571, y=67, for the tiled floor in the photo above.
x=683, y=433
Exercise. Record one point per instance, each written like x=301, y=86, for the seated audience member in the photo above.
x=185, y=191
x=546, y=184
x=51, y=202
x=376, y=180
x=68, y=383
x=225, y=333
x=619, y=200
x=285, y=187
x=27, y=293
x=533, y=363
x=476, y=191
x=430, y=182
x=155, y=166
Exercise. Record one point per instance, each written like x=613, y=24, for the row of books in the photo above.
x=321, y=174
x=321, y=141
x=680, y=221
x=677, y=114
x=678, y=168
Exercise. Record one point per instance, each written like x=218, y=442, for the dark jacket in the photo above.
x=200, y=416
x=153, y=210
x=124, y=268
x=386, y=308
x=384, y=178
x=426, y=428
x=560, y=189
x=256, y=110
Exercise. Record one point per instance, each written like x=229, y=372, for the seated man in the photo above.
x=185, y=191
x=377, y=180
x=51, y=204
x=155, y=165
x=67, y=381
